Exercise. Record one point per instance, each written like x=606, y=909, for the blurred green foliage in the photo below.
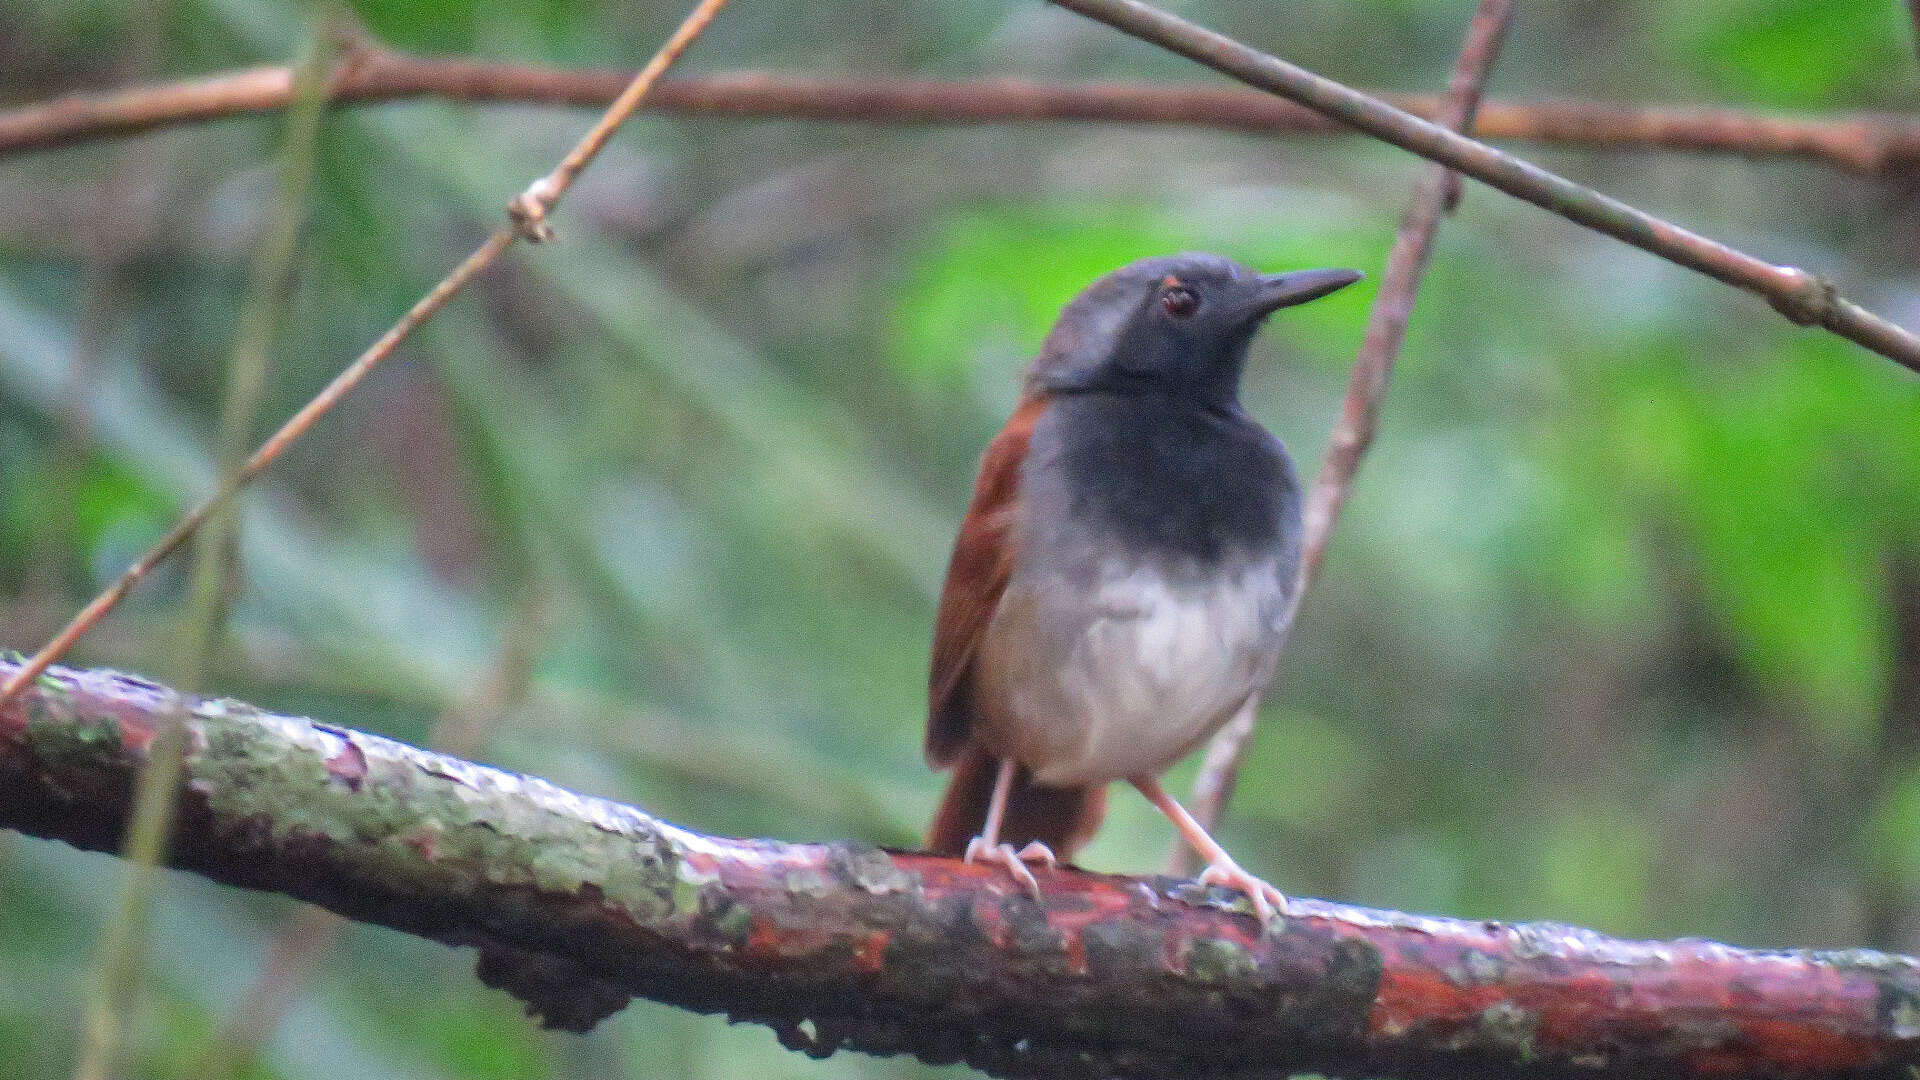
x=1622, y=626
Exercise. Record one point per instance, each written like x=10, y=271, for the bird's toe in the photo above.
x=1015, y=863
x=1037, y=852
x=1268, y=901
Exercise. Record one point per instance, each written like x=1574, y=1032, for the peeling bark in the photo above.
x=577, y=902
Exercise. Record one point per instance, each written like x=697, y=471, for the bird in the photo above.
x=1125, y=573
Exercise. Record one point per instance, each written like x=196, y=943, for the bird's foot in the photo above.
x=979, y=850
x=1267, y=900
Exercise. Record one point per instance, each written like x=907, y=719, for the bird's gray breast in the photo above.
x=1115, y=650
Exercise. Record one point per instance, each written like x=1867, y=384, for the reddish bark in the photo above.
x=579, y=902
x=1866, y=143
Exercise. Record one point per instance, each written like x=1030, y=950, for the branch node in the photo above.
x=355, y=50
x=530, y=208
x=1806, y=299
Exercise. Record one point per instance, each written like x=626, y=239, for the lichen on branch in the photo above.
x=578, y=902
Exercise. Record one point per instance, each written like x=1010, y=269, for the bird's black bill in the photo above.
x=1299, y=286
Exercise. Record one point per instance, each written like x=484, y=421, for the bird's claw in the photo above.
x=978, y=850
x=1037, y=852
x=1267, y=900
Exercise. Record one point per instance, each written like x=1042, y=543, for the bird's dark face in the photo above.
x=1178, y=324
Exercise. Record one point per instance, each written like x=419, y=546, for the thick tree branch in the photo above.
x=1857, y=143
x=579, y=902
x=1804, y=298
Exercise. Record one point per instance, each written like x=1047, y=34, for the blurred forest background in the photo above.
x=1622, y=627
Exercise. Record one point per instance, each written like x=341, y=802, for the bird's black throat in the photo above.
x=1171, y=476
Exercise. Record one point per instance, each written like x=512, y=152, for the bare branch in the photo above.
x=1435, y=194
x=528, y=212
x=1804, y=298
x=296, y=426
x=580, y=902
x=1869, y=144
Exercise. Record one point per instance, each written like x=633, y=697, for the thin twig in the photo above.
x=122, y=942
x=1804, y=298
x=296, y=426
x=269, y=290
x=1435, y=194
x=528, y=210
x=1862, y=143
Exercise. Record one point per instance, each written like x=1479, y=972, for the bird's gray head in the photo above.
x=1177, y=324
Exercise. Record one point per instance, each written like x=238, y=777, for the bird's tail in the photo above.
x=1062, y=818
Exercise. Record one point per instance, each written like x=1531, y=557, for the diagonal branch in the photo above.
x=1870, y=144
x=1435, y=194
x=1804, y=298
x=578, y=903
x=528, y=213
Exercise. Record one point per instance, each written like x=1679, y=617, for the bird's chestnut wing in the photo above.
x=977, y=575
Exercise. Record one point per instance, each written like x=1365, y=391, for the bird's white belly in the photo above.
x=1087, y=686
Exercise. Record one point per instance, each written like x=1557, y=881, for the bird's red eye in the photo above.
x=1180, y=301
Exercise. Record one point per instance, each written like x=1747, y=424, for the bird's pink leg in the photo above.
x=1221, y=869
x=987, y=846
